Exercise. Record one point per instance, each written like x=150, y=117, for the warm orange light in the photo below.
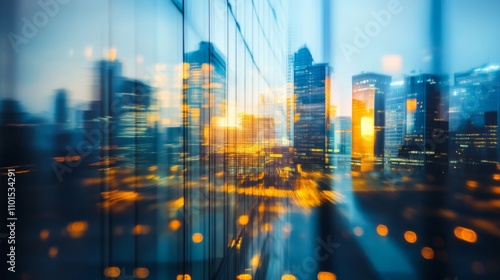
x=411, y=105
x=472, y=184
x=112, y=54
x=465, y=234
x=288, y=277
x=244, y=277
x=358, y=231
x=197, y=237
x=44, y=234
x=496, y=177
x=410, y=236
x=53, y=252
x=268, y=227
x=174, y=225
x=382, y=230
x=367, y=127
x=141, y=229
x=77, y=229
x=254, y=262
x=141, y=272
x=112, y=272
x=183, y=277
x=323, y=275
x=427, y=253
x=243, y=220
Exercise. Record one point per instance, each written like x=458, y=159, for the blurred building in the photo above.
x=395, y=122
x=61, y=115
x=369, y=92
x=474, y=107
x=258, y=130
x=425, y=149
x=312, y=119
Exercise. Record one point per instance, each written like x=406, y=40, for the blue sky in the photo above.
x=63, y=53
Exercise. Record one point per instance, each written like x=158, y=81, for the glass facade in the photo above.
x=249, y=139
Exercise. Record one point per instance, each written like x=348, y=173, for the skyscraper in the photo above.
x=312, y=120
x=474, y=113
x=425, y=148
x=395, y=113
x=369, y=91
x=61, y=116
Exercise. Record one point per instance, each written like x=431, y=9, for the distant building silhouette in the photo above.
x=474, y=118
x=312, y=120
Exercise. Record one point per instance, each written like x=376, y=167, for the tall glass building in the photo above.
x=474, y=117
x=312, y=117
x=369, y=91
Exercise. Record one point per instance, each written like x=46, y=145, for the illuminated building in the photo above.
x=425, y=149
x=343, y=135
x=369, y=91
x=258, y=130
x=312, y=120
x=394, y=132
x=204, y=95
x=474, y=121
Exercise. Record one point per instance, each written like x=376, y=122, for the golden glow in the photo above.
x=243, y=220
x=197, y=237
x=183, y=277
x=77, y=229
x=367, y=127
x=244, y=277
x=496, y=177
x=254, y=262
x=288, y=277
x=382, y=230
x=323, y=275
x=392, y=62
x=174, y=225
x=53, y=252
x=141, y=272
x=141, y=229
x=427, y=253
x=176, y=204
x=411, y=105
x=112, y=54
x=472, y=184
x=44, y=234
x=268, y=227
x=465, y=234
x=112, y=272
x=410, y=236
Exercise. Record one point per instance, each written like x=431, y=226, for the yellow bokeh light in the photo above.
x=410, y=236
x=244, y=277
x=382, y=230
x=288, y=277
x=112, y=272
x=465, y=234
x=197, y=237
x=77, y=229
x=268, y=227
x=141, y=229
x=44, y=234
x=174, y=225
x=323, y=275
x=243, y=220
x=53, y=252
x=183, y=277
x=141, y=272
x=427, y=253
